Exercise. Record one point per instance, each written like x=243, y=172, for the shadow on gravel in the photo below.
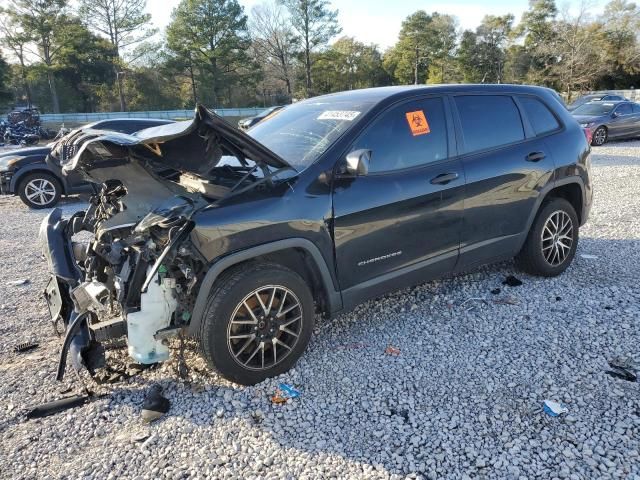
x=465, y=392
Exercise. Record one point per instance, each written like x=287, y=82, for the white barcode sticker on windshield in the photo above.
x=344, y=115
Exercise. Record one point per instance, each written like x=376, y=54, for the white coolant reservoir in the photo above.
x=157, y=305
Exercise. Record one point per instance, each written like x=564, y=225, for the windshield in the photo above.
x=594, y=109
x=266, y=112
x=583, y=100
x=303, y=131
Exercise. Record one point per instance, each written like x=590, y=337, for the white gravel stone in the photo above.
x=462, y=400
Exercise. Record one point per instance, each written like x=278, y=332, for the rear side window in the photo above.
x=541, y=119
x=489, y=121
x=408, y=135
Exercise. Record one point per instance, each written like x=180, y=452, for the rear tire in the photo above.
x=257, y=323
x=39, y=190
x=600, y=136
x=552, y=240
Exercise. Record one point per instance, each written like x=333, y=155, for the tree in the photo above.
x=273, y=41
x=215, y=32
x=315, y=25
x=578, y=51
x=537, y=29
x=408, y=60
x=5, y=94
x=40, y=20
x=123, y=22
x=84, y=61
x=445, y=38
x=467, y=58
x=15, y=39
x=621, y=22
x=348, y=65
x=424, y=50
x=493, y=34
x=537, y=23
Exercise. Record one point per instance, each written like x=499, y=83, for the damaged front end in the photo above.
x=137, y=277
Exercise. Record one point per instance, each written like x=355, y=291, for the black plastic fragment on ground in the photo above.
x=512, y=281
x=25, y=347
x=622, y=369
x=496, y=291
x=622, y=374
x=56, y=406
x=155, y=404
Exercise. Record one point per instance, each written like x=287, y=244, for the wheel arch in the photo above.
x=572, y=192
x=570, y=188
x=17, y=179
x=297, y=254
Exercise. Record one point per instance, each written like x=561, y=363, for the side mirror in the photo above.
x=357, y=162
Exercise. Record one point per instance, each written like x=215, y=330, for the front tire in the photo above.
x=257, y=323
x=40, y=190
x=552, y=240
x=600, y=136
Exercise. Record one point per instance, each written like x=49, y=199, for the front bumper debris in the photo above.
x=5, y=183
x=65, y=277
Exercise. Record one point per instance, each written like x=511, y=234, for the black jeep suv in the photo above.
x=240, y=239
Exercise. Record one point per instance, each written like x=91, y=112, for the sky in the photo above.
x=379, y=21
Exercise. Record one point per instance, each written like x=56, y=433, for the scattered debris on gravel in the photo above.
x=25, y=347
x=463, y=400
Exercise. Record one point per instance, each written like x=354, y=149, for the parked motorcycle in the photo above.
x=21, y=134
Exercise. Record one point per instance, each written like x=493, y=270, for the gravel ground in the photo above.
x=462, y=399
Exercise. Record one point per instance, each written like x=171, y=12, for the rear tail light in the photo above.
x=589, y=134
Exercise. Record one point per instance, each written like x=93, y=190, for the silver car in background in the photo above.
x=609, y=120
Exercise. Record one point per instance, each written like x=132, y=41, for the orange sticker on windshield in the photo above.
x=418, y=123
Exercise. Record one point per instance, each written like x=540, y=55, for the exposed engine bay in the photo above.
x=138, y=277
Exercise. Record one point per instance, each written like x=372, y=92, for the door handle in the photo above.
x=535, y=157
x=444, y=178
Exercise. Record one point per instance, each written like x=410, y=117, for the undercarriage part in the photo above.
x=179, y=235
x=75, y=323
x=90, y=297
x=157, y=306
x=109, y=329
x=94, y=357
x=135, y=284
x=79, y=251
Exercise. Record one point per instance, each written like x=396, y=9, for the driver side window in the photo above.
x=408, y=135
x=624, y=109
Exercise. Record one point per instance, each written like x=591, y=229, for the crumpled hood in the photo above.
x=193, y=146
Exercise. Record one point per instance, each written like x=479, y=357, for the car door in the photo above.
x=622, y=121
x=635, y=128
x=400, y=223
x=506, y=164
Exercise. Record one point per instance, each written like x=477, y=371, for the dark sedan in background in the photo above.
x=25, y=171
x=595, y=97
x=247, y=123
x=609, y=120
